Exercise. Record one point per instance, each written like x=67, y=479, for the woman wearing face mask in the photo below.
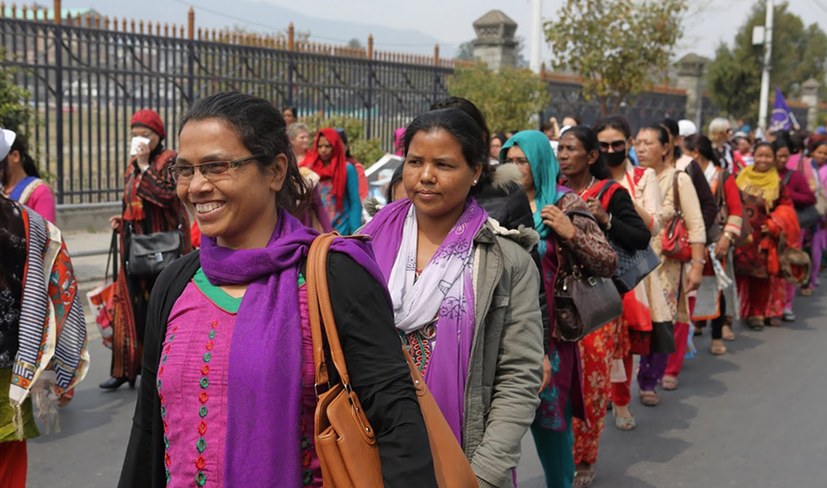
x=614, y=136
x=612, y=207
x=149, y=205
x=464, y=293
x=715, y=304
x=339, y=181
x=20, y=178
x=652, y=144
x=772, y=214
x=561, y=398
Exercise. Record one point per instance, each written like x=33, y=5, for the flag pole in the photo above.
x=765, y=73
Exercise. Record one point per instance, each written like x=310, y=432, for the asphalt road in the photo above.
x=752, y=418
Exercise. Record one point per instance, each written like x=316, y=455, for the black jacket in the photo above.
x=373, y=352
x=502, y=196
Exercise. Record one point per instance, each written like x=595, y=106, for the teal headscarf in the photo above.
x=544, y=169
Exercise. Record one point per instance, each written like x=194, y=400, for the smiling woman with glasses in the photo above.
x=227, y=389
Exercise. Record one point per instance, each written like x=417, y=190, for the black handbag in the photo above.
x=582, y=303
x=632, y=267
x=662, y=338
x=149, y=254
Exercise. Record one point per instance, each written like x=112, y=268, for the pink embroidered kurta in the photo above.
x=192, y=385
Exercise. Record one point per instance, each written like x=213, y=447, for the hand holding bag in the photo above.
x=345, y=441
x=582, y=303
x=675, y=242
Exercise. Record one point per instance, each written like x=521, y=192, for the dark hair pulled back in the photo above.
x=262, y=130
x=461, y=126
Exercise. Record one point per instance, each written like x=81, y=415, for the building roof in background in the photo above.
x=494, y=17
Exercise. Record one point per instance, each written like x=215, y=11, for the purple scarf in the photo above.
x=264, y=392
x=447, y=370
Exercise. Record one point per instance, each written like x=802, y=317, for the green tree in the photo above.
x=619, y=47
x=466, y=51
x=508, y=98
x=798, y=53
x=15, y=112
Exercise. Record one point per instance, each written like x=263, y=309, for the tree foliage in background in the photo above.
x=798, y=53
x=366, y=151
x=15, y=112
x=619, y=47
x=508, y=98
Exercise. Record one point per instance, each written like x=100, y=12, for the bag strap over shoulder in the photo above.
x=787, y=177
x=677, y=193
x=320, y=312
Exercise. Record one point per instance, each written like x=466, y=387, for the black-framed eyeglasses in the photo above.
x=184, y=172
x=616, y=146
x=515, y=161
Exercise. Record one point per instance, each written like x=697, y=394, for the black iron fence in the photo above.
x=567, y=100
x=86, y=82
x=87, y=76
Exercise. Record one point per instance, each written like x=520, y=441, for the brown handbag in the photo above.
x=582, y=303
x=345, y=441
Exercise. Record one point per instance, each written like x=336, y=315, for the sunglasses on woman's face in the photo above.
x=616, y=146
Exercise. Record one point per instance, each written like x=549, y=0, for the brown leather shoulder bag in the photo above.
x=345, y=441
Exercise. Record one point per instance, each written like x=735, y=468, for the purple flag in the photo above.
x=782, y=117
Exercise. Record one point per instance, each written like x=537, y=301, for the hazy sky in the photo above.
x=450, y=21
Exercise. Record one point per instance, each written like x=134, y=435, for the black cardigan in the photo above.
x=628, y=229
x=377, y=368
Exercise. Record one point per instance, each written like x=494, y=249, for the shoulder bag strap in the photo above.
x=787, y=177
x=320, y=313
x=677, y=193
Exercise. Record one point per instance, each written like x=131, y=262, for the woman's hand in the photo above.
x=694, y=277
x=142, y=157
x=722, y=247
x=559, y=222
x=597, y=210
x=115, y=222
x=546, y=373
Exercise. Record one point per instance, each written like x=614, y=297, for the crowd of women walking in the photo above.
x=521, y=281
x=507, y=281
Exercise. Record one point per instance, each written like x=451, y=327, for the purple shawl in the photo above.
x=447, y=372
x=264, y=392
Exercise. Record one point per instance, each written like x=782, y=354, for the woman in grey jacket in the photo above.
x=464, y=293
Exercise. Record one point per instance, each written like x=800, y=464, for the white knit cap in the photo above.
x=686, y=128
x=6, y=141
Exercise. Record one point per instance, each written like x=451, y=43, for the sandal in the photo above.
x=669, y=382
x=697, y=331
x=727, y=333
x=649, y=398
x=806, y=292
x=584, y=475
x=755, y=323
x=717, y=348
x=624, y=423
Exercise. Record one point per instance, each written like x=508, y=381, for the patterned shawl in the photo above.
x=443, y=293
x=52, y=326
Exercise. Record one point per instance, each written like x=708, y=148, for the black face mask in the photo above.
x=613, y=159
